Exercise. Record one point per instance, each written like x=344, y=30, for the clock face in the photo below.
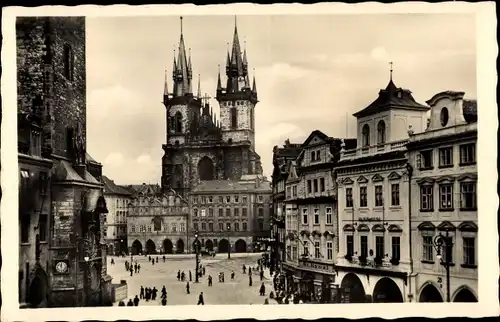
x=61, y=267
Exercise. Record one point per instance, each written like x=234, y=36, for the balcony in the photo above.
x=373, y=150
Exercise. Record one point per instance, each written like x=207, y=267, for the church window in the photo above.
x=178, y=122
x=234, y=117
x=366, y=135
x=252, y=125
x=381, y=132
x=68, y=61
x=206, y=169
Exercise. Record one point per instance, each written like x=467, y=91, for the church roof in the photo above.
x=111, y=188
x=392, y=96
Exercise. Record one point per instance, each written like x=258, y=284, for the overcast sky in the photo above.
x=311, y=72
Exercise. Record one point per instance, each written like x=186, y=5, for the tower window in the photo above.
x=178, y=122
x=234, y=118
x=381, y=132
x=68, y=61
x=366, y=135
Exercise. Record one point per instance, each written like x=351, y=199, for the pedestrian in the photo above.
x=183, y=276
x=249, y=271
x=135, y=268
x=153, y=262
x=155, y=291
x=262, y=290
x=190, y=276
x=232, y=275
x=142, y=293
x=187, y=287
x=266, y=301
x=209, y=280
x=112, y=261
x=163, y=291
x=136, y=301
x=249, y=280
x=131, y=271
x=164, y=301
x=261, y=275
x=130, y=303
x=148, y=294
x=149, y=258
x=121, y=303
x=178, y=275
x=157, y=259
x=201, y=301
x=138, y=268
x=164, y=258
x=244, y=269
x=222, y=277
x=203, y=270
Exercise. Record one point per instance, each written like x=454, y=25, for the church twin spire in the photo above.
x=182, y=72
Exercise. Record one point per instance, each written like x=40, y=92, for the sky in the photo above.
x=312, y=72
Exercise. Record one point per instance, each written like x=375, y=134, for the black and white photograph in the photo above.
x=228, y=157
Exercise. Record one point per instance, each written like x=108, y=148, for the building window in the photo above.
x=236, y=226
x=261, y=225
x=446, y=197
x=446, y=157
x=244, y=199
x=228, y=199
x=316, y=216
x=35, y=144
x=366, y=135
x=203, y=212
x=469, y=250
x=234, y=117
x=69, y=62
x=329, y=250
x=228, y=226
x=174, y=228
x=294, y=252
x=396, y=248
x=244, y=226
x=424, y=160
x=210, y=212
x=236, y=212
x=203, y=200
x=289, y=251
x=364, y=246
x=379, y=196
x=133, y=229
x=304, y=216
x=261, y=198
x=210, y=199
x=350, y=245
x=221, y=199
x=316, y=250
x=328, y=215
x=178, y=122
x=210, y=226
x=379, y=247
x=236, y=199
x=221, y=212
x=322, y=184
x=43, y=227
x=305, y=244
x=195, y=200
x=348, y=197
x=195, y=226
x=468, y=195
x=288, y=192
x=468, y=154
x=149, y=229
x=427, y=252
x=315, y=183
x=203, y=226
x=244, y=212
x=426, y=198
x=182, y=227
x=228, y=212
x=309, y=186
x=448, y=250
x=294, y=191
x=362, y=197
x=395, y=194
x=381, y=132
x=221, y=226
x=313, y=156
x=261, y=212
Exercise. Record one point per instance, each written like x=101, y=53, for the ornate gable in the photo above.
x=468, y=226
x=394, y=176
x=446, y=225
x=316, y=137
x=362, y=179
x=377, y=178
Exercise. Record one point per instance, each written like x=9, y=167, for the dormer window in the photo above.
x=444, y=116
x=381, y=132
x=366, y=135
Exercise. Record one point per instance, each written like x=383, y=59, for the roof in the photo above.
x=231, y=186
x=470, y=110
x=392, y=96
x=111, y=188
x=143, y=188
x=64, y=171
x=90, y=159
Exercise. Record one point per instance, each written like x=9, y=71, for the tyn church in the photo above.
x=200, y=147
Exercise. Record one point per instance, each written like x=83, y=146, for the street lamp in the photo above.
x=228, y=241
x=196, y=249
x=446, y=241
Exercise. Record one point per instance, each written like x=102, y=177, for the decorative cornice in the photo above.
x=467, y=226
x=348, y=227
x=445, y=178
x=394, y=176
x=377, y=178
x=347, y=181
x=426, y=225
x=378, y=228
x=425, y=180
x=446, y=226
x=394, y=229
x=363, y=227
x=362, y=179
x=467, y=176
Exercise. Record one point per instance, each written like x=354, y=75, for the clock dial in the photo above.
x=61, y=267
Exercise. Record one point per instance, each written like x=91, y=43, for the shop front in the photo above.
x=317, y=282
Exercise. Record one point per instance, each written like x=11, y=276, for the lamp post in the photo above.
x=196, y=249
x=228, y=241
x=446, y=241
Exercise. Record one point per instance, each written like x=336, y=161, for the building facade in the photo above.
x=157, y=221
x=444, y=201
x=311, y=219
x=198, y=146
x=231, y=216
x=374, y=258
x=118, y=201
x=62, y=254
x=281, y=163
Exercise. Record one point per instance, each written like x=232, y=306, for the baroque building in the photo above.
x=118, y=201
x=444, y=201
x=374, y=258
x=311, y=219
x=231, y=216
x=198, y=146
x=157, y=221
x=62, y=254
x=281, y=164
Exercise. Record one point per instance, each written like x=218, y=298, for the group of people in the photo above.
x=132, y=267
x=130, y=302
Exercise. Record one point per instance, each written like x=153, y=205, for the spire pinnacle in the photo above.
x=254, y=86
x=199, y=88
x=219, y=83
x=165, y=89
x=181, y=26
x=390, y=63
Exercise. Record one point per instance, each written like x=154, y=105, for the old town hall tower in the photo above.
x=200, y=147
